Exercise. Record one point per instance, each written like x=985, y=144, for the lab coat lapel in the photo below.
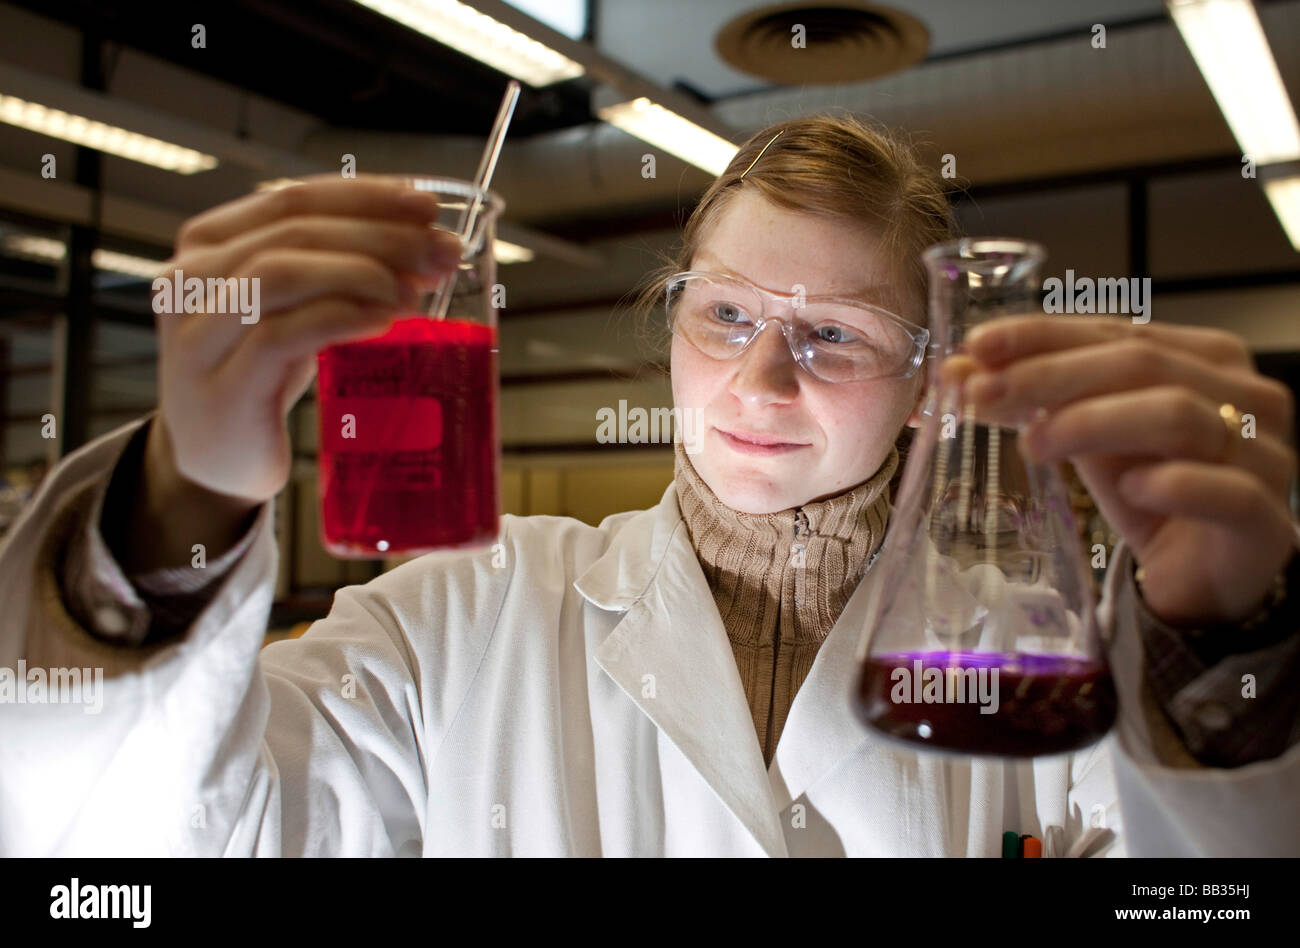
x=671, y=655
x=821, y=727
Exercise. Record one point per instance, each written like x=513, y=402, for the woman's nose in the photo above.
x=767, y=371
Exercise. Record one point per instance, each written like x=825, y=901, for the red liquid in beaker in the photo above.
x=408, y=452
x=1046, y=704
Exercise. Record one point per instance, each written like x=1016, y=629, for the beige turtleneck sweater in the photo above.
x=780, y=580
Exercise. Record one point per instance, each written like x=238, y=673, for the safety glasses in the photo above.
x=835, y=339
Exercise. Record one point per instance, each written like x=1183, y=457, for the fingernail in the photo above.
x=1031, y=442
x=443, y=258
x=983, y=338
x=441, y=253
x=985, y=387
x=1132, y=485
x=435, y=265
x=425, y=282
x=419, y=201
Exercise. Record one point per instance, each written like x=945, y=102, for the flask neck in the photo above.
x=975, y=280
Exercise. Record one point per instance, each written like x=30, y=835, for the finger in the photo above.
x=1100, y=474
x=411, y=248
x=284, y=279
x=1058, y=377
x=1199, y=491
x=290, y=278
x=1008, y=338
x=366, y=196
x=955, y=369
x=1162, y=421
x=291, y=336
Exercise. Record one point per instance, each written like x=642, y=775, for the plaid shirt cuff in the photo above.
x=1232, y=694
x=142, y=608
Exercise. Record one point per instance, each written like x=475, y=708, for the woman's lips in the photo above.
x=746, y=442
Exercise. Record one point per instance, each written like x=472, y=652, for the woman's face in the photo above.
x=828, y=436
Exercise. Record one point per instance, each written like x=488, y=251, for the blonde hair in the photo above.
x=840, y=168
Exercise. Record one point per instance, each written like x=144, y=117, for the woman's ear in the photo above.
x=916, y=419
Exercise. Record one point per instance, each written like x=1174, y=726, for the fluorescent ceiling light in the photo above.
x=46, y=248
x=476, y=34
x=564, y=16
x=34, y=248
x=106, y=138
x=275, y=184
x=506, y=252
x=676, y=135
x=51, y=250
x=115, y=262
x=1229, y=46
x=1284, y=195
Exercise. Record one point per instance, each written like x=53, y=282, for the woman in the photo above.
x=667, y=683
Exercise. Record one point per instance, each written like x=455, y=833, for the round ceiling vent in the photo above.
x=823, y=42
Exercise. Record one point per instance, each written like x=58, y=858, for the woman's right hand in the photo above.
x=335, y=259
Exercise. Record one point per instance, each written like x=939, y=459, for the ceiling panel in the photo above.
x=672, y=40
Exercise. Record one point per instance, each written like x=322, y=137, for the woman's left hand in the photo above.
x=1136, y=409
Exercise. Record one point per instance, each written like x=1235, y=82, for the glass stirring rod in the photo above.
x=469, y=215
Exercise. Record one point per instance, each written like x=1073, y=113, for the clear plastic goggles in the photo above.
x=835, y=339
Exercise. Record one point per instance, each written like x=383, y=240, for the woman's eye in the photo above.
x=727, y=313
x=834, y=334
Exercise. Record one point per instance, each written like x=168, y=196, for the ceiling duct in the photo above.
x=821, y=43
x=1031, y=111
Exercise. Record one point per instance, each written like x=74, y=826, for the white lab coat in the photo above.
x=579, y=698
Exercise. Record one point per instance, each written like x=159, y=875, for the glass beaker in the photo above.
x=409, y=457
x=981, y=635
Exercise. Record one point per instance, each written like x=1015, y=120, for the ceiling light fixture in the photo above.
x=106, y=138
x=483, y=37
x=674, y=133
x=1229, y=46
x=48, y=249
x=1284, y=195
x=506, y=252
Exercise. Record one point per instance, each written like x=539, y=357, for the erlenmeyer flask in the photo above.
x=981, y=634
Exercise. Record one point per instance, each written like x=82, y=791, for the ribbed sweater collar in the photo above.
x=824, y=546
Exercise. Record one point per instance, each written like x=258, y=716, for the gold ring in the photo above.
x=1232, y=427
